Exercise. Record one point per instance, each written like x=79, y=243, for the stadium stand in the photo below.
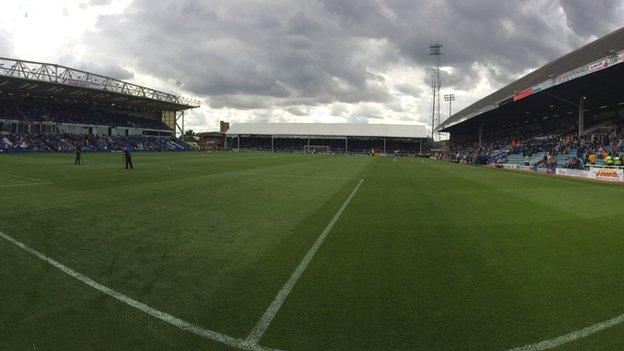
x=34, y=110
x=338, y=138
x=567, y=149
x=567, y=114
x=51, y=108
x=37, y=142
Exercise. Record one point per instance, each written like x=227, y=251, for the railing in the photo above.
x=52, y=73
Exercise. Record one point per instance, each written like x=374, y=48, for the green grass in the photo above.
x=427, y=256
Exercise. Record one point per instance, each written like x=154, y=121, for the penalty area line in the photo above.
x=22, y=184
x=23, y=178
x=269, y=314
x=575, y=335
x=163, y=316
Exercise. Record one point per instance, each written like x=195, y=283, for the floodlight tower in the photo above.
x=435, y=51
x=450, y=98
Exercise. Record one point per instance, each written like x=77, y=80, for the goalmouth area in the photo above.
x=264, y=251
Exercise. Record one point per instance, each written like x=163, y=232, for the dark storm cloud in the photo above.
x=113, y=71
x=274, y=50
x=309, y=52
x=104, y=68
x=241, y=102
x=592, y=18
x=493, y=33
x=410, y=89
x=299, y=110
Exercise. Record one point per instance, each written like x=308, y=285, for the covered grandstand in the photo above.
x=49, y=107
x=333, y=137
x=568, y=109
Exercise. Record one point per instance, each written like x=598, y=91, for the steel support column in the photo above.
x=179, y=123
x=480, y=133
x=581, y=116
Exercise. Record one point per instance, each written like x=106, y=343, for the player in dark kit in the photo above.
x=128, y=158
x=78, y=156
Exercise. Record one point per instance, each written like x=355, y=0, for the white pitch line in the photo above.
x=163, y=316
x=22, y=184
x=291, y=176
x=269, y=314
x=24, y=178
x=578, y=334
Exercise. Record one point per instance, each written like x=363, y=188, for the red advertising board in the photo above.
x=523, y=94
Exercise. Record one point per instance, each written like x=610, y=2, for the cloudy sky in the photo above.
x=305, y=60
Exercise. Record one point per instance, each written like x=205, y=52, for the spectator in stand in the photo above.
x=11, y=143
x=543, y=162
x=551, y=161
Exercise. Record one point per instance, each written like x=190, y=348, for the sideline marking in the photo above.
x=163, y=316
x=269, y=314
x=259, y=174
x=290, y=176
x=24, y=178
x=578, y=334
x=22, y=184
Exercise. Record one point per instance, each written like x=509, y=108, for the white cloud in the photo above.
x=304, y=60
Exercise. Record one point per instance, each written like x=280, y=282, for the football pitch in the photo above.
x=251, y=251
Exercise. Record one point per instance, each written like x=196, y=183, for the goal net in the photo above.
x=316, y=149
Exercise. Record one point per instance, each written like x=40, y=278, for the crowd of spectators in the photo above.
x=37, y=110
x=43, y=142
x=602, y=146
x=45, y=111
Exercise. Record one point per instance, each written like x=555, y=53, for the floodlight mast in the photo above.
x=435, y=51
x=450, y=98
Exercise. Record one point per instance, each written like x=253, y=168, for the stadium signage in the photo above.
x=523, y=94
x=573, y=74
x=82, y=83
x=505, y=102
x=573, y=173
x=609, y=174
x=605, y=174
x=512, y=166
x=599, y=65
x=602, y=174
x=544, y=85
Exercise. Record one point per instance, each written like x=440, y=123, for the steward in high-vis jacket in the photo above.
x=608, y=160
x=617, y=161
